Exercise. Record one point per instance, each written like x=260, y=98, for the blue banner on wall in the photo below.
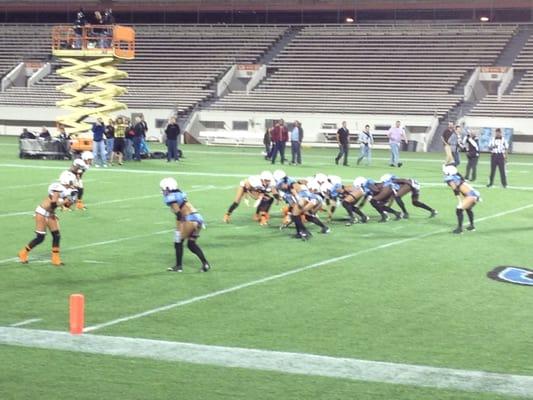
x=486, y=134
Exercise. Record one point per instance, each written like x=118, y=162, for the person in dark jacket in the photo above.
x=98, y=130
x=343, y=137
x=280, y=136
x=138, y=135
x=267, y=141
x=297, y=136
x=172, y=131
x=471, y=145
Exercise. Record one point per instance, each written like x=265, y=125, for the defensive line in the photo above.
x=274, y=361
x=285, y=274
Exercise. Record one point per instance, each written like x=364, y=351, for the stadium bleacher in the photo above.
x=516, y=104
x=387, y=69
x=174, y=65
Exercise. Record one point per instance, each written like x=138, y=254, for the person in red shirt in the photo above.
x=280, y=136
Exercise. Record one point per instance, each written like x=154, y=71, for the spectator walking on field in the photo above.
x=343, y=140
x=172, y=132
x=367, y=141
x=267, y=140
x=297, y=135
x=396, y=135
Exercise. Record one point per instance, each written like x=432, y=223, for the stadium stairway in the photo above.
x=514, y=47
x=279, y=45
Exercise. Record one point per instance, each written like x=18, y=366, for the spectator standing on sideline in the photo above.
x=120, y=140
x=109, y=139
x=343, y=140
x=367, y=141
x=98, y=130
x=471, y=144
x=267, y=140
x=446, y=136
x=498, y=147
x=297, y=135
x=128, y=143
x=455, y=145
x=172, y=132
x=280, y=135
x=396, y=134
x=138, y=134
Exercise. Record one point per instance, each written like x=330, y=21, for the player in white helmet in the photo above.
x=188, y=224
x=62, y=193
x=78, y=168
x=467, y=197
x=260, y=188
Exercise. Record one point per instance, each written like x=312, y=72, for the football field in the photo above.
x=398, y=310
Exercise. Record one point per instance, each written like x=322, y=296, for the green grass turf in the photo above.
x=426, y=301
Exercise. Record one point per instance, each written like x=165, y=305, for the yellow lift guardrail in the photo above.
x=92, y=52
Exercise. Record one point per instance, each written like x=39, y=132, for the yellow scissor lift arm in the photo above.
x=92, y=53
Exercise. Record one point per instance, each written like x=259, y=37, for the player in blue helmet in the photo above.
x=188, y=223
x=379, y=196
x=401, y=187
x=467, y=197
x=349, y=196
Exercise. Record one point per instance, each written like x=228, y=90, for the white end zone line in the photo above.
x=275, y=361
x=284, y=274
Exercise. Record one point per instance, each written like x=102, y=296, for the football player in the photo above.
x=401, y=187
x=467, y=197
x=62, y=193
x=260, y=188
x=78, y=168
x=188, y=223
x=379, y=195
x=350, y=196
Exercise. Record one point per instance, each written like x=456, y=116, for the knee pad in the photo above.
x=39, y=237
x=177, y=237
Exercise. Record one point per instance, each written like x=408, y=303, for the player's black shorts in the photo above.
x=118, y=145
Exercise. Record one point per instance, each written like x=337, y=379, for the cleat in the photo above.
x=405, y=216
x=304, y=236
x=400, y=164
x=350, y=222
x=23, y=256
x=80, y=205
x=175, y=268
x=433, y=214
x=283, y=226
x=325, y=229
x=227, y=218
x=458, y=231
x=365, y=219
x=471, y=228
x=384, y=218
x=205, y=267
x=397, y=216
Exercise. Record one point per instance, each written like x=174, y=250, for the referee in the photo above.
x=498, y=147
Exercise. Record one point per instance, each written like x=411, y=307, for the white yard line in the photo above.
x=274, y=361
x=284, y=274
x=26, y=322
x=125, y=200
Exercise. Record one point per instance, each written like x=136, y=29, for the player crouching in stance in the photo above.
x=188, y=223
x=78, y=168
x=400, y=187
x=260, y=188
x=466, y=195
x=60, y=193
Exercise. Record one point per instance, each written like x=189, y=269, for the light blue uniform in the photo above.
x=180, y=198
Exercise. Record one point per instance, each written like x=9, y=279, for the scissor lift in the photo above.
x=93, y=51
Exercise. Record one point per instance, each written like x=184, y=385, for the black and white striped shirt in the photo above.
x=498, y=145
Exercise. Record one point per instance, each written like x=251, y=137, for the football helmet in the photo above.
x=279, y=175
x=359, y=181
x=321, y=178
x=168, y=185
x=266, y=176
x=67, y=178
x=449, y=170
